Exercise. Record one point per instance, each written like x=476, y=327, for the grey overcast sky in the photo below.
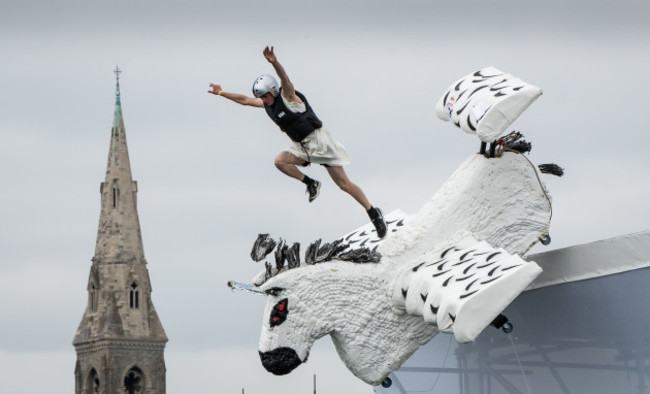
x=372, y=70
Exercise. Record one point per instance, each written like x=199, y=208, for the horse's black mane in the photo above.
x=289, y=257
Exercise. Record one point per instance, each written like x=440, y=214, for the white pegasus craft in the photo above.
x=453, y=267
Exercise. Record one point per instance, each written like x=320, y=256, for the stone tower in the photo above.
x=120, y=340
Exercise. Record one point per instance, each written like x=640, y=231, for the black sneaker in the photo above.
x=377, y=219
x=313, y=189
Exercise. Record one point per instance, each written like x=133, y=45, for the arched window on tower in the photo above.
x=134, y=296
x=93, y=381
x=134, y=381
x=115, y=194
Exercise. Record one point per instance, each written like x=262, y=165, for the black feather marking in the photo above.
x=400, y=223
x=462, y=262
x=437, y=262
x=492, y=270
x=463, y=109
x=470, y=125
x=350, y=236
x=417, y=267
x=468, y=294
x=457, y=88
x=499, y=94
x=484, y=77
x=491, y=280
x=439, y=274
x=442, y=256
x=468, y=268
x=511, y=267
x=405, y=292
x=492, y=255
x=453, y=318
x=470, y=285
x=466, y=253
x=434, y=309
x=465, y=278
x=487, y=265
x=446, y=282
x=423, y=296
x=493, y=89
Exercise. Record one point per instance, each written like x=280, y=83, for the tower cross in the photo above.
x=117, y=72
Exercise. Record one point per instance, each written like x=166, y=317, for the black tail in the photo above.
x=551, y=169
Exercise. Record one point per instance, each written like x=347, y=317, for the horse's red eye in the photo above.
x=279, y=313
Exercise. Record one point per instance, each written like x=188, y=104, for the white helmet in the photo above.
x=265, y=84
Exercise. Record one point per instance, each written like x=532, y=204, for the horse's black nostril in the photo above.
x=280, y=361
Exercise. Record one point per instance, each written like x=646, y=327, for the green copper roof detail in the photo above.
x=117, y=115
x=117, y=72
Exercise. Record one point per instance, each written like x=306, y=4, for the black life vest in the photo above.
x=297, y=125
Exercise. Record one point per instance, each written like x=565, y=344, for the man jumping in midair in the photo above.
x=311, y=141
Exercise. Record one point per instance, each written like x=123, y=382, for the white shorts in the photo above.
x=319, y=147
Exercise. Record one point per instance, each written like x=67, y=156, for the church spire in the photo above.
x=120, y=341
x=118, y=237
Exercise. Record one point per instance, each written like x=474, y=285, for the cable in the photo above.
x=521, y=368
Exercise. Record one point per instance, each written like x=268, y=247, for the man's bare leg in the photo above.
x=288, y=164
x=341, y=179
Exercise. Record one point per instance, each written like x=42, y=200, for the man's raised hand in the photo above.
x=269, y=55
x=216, y=89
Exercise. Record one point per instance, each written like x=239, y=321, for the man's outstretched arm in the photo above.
x=236, y=97
x=288, y=91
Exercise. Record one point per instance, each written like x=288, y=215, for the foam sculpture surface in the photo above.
x=452, y=267
x=486, y=102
